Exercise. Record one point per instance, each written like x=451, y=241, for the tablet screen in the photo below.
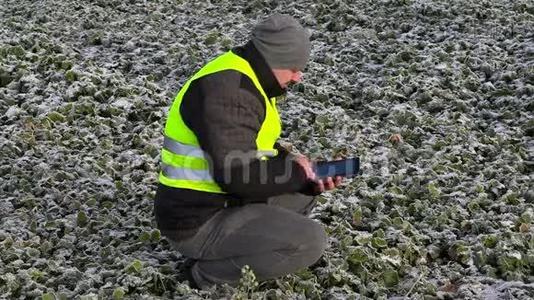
x=345, y=168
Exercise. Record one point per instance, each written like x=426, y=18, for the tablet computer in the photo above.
x=345, y=168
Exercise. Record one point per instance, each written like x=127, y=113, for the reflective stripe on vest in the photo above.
x=183, y=149
x=193, y=151
x=188, y=172
x=184, y=163
x=185, y=173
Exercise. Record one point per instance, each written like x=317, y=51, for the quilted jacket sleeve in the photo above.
x=226, y=121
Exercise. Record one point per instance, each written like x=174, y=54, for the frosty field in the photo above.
x=435, y=97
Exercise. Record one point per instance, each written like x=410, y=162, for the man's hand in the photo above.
x=327, y=184
x=321, y=185
x=306, y=165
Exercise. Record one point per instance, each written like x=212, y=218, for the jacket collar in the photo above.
x=264, y=73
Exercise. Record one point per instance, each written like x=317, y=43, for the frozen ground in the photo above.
x=444, y=212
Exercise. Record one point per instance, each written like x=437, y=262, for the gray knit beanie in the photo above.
x=282, y=41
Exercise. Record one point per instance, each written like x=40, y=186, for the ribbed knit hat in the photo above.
x=282, y=41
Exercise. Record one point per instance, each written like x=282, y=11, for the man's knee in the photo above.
x=313, y=242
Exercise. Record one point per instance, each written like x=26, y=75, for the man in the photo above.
x=229, y=195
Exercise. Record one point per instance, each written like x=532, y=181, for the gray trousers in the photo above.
x=274, y=239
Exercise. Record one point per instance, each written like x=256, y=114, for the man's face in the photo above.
x=287, y=76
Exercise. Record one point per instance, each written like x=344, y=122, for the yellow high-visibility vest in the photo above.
x=184, y=163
